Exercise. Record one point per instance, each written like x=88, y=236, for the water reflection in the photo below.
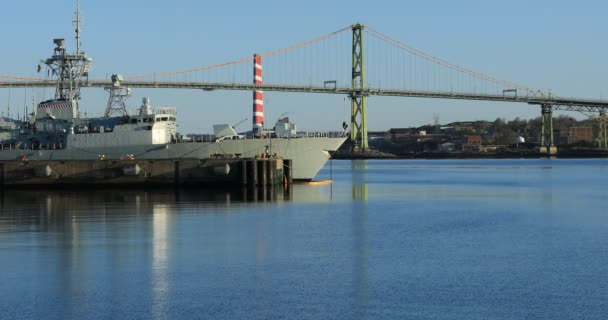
x=359, y=178
x=360, y=239
x=50, y=202
x=57, y=210
x=102, y=235
x=160, y=244
x=430, y=234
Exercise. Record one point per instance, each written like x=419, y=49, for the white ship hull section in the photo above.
x=309, y=155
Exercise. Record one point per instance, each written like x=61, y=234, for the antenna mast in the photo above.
x=9, y=102
x=77, y=21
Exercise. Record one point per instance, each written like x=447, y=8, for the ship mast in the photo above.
x=72, y=70
x=77, y=21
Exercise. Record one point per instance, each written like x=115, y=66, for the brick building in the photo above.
x=576, y=134
x=472, y=144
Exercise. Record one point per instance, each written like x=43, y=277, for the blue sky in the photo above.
x=557, y=45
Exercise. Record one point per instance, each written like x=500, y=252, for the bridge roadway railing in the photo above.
x=559, y=103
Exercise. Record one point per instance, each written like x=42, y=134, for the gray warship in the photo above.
x=55, y=130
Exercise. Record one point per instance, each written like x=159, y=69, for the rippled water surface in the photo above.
x=462, y=239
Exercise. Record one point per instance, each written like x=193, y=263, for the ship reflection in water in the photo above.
x=120, y=241
x=42, y=208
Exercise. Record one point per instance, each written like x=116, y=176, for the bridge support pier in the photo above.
x=546, y=136
x=358, y=115
x=602, y=137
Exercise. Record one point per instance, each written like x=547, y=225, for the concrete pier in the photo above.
x=208, y=172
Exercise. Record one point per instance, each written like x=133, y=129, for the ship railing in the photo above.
x=322, y=134
x=302, y=134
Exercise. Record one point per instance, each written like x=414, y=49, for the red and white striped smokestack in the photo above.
x=258, y=97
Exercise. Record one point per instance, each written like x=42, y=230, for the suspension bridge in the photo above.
x=358, y=62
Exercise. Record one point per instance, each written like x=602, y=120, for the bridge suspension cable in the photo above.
x=21, y=78
x=241, y=61
x=451, y=66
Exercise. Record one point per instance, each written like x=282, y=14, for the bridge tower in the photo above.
x=358, y=115
x=546, y=135
x=602, y=132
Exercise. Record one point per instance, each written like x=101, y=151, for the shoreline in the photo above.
x=566, y=154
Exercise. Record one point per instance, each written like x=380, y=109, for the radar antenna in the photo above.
x=118, y=94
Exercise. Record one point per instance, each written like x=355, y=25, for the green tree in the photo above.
x=502, y=133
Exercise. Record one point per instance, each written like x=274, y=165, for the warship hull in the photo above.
x=308, y=155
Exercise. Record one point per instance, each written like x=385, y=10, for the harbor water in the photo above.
x=403, y=239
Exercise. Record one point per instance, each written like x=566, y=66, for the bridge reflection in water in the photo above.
x=359, y=172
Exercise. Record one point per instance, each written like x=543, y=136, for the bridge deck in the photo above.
x=561, y=103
